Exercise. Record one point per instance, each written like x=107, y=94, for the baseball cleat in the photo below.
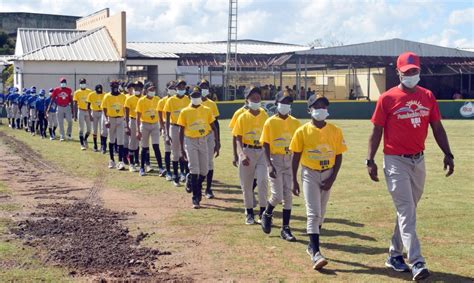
x=397, y=263
x=209, y=194
x=142, y=172
x=419, y=271
x=169, y=177
x=148, y=169
x=286, y=234
x=111, y=164
x=266, y=223
x=250, y=219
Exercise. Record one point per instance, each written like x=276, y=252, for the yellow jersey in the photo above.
x=196, y=121
x=161, y=104
x=278, y=133
x=80, y=96
x=131, y=104
x=95, y=99
x=250, y=127
x=318, y=147
x=174, y=105
x=147, y=107
x=114, y=104
x=236, y=116
x=213, y=106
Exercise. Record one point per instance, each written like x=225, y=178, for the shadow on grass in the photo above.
x=354, y=249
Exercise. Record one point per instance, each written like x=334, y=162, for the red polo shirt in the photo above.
x=62, y=96
x=405, y=118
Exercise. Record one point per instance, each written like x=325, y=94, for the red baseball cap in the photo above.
x=407, y=61
x=62, y=80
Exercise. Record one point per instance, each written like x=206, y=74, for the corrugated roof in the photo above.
x=160, y=49
x=32, y=39
x=389, y=48
x=93, y=45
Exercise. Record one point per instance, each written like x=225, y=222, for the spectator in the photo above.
x=457, y=95
x=302, y=93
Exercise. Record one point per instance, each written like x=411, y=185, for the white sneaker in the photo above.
x=83, y=147
x=132, y=168
x=182, y=178
x=69, y=138
x=51, y=138
x=111, y=164
x=148, y=169
x=169, y=178
x=61, y=138
x=121, y=166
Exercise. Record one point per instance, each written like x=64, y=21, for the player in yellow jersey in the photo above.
x=81, y=112
x=276, y=137
x=204, y=85
x=148, y=127
x=318, y=146
x=196, y=122
x=113, y=111
x=135, y=93
x=170, y=91
x=173, y=108
x=248, y=130
x=94, y=100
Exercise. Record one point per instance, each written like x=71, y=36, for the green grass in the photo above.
x=360, y=214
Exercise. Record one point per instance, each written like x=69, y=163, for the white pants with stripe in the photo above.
x=257, y=168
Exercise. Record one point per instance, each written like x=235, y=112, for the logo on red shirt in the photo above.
x=412, y=110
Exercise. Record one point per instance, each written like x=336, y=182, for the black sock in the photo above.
x=50, y=132
x=262, y=209
x=314, y=241
x=81, y=140
x=103, y=143
x=125, y=155
x=201, y=179
x=254, y=184
x=286, y=217
x=54, y=131
x=209, y=177
x=111, y=151
x=269, y=208
x=144, y=157
x=195, y=187
x=175, y=169
x=182, y=166
x=85, y=138
x=249, y=211
x=186, y=167
x=136, y=154
x=32, y=126
x=94, y=138
x=168, y=161
x=156, y=149
x=25, y=122
x=120, y=153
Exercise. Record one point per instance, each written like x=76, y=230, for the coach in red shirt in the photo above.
x=402, y=115
x=62, y=96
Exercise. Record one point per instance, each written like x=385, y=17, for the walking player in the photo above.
x=135, y=90
x=94, y=101
x=32, y=111
x=148, y=127
x=204, y=85
x=402, y=115
x=170, y=91
x=40, y=113
x=51, y=115
x=172, y=108
x=82, y=112
x=276, y=137
x=62, y=96
x=112, y=105
x=196, y=122
x=319, y=146
x=248, y=130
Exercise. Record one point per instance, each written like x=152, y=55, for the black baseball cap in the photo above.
x=253, y=89
x=315, y=98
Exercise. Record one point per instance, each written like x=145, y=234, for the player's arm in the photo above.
x=168, y=137
x=240, y=151
x=374, y=142
x=295, y=163
x=127, y=120
x=442, y=140
x=74, y=110
x=107, y=122
x=162, y=121
x=181, y=140
x=216, y=138
x=271, y=168
x=138, y=120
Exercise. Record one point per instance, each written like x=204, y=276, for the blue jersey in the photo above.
x=32, y=102
x=14, y=98
x=41, y=104
x=23, y=100
x=53, y=107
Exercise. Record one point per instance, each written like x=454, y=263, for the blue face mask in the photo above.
x=181, y=92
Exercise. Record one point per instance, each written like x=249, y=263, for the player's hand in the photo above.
x=91, y=118
x=245, y=160
x=107, y=124
x=372, y=169
x=217, y=148
x=127, y=131
x=183, y=155
x=272, y=171
x=235, y=162
x=139, y=135
x=296, y=188
x=448, y=165
x=327, y=184
x=168, y=140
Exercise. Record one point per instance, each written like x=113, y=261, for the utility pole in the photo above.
x=231, y=57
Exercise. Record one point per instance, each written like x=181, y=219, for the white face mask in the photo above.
x=254, y=105
x=171, y=91
x=63, y=84
x=284, y=109
x=410, y=81
x=204, y=92
x=196, y=100
x=319, y=114
x=83, y=86
x=181, y=92
x=137, y=92
x=151, y=93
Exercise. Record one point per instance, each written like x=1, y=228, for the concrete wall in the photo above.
x=160, y=71
x=10, y=22
x=47, y=74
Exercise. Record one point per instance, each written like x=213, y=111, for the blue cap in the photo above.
x=42, y=92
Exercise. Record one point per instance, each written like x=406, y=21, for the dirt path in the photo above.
x=35, y=181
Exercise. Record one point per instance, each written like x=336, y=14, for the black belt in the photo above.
x=252, y=146
x=413, y=156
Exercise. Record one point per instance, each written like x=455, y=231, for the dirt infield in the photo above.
x=64, y=218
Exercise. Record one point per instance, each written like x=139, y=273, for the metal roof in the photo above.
x=251, y=47
x=32, y=39
x=93, y=45
x=389, y=48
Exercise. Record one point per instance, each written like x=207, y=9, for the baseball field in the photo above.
x=43, y=179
